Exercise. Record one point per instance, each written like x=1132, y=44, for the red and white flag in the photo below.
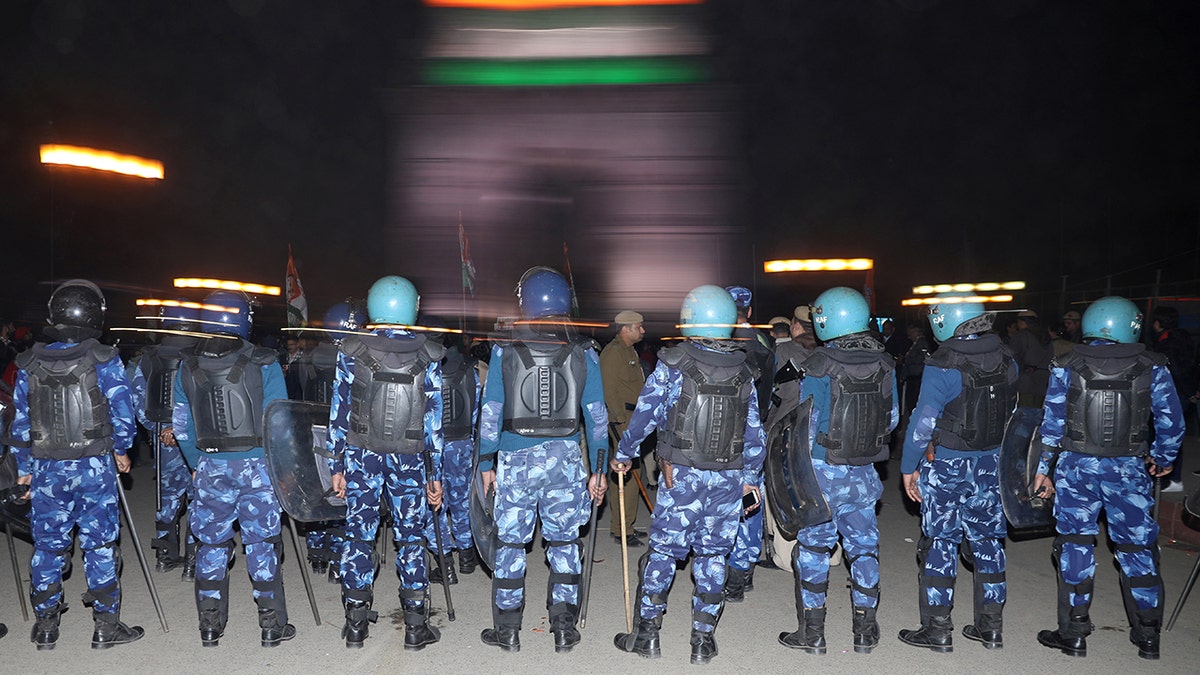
x=297, y=306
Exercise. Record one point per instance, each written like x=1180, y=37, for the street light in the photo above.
x=984, y=287
x=222, y=285
x=956, y=299
x=101, y=160
x=820, y=265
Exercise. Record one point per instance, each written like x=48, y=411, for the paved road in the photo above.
x=746, y=636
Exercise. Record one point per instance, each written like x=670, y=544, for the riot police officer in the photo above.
x=853, y=386
x=702, y=399
x=968, y=393
x=153, y=388
x=1099, y=405
x=73, y=409
x=529, y=448
x=385, y=416
x=223, y=387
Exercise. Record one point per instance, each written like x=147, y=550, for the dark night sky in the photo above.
x=948, y=140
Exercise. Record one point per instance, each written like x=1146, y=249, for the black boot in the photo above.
x=810, y=636
x=1145, y=636
x=866, y=630
x=335, y=572
x=468, y=560
x=987, y=629
x=212, y=628
x=507, y=633
x=110, y=631
x=320, y=565
x=45, y=628
x=704, y=647
x=749, y=586
x=358, y=617
x=562, y=625
x=1069, y=645
x=735, y=585
x=274, y=629
x=189, y=562
x=418, y=634
x=3, y=630
x=435, y=574
x=937, y=635
x=643, y=642
x=166, y=549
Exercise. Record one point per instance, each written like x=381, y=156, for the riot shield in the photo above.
x=13, y=509
x=294, y=434
x=793, y=495
x=1019, y=456
x=483, y=520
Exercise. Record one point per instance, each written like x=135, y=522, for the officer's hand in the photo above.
x=665, y=473
x=619, y=467
x=1158, y=471
x=167, y=437
x=433, y=493
x=123, y=463
x=1042, y=486
x=339, y=485
x=910, y=487
x=25, y=479
x=597, y=486
x=489, y=481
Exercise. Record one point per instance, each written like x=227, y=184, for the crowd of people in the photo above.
x=462, y=445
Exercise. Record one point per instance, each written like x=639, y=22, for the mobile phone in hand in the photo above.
x=750, y=504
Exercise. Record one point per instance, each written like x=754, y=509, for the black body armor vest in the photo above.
x=320, y=369
x=544, y=378
x=387, y=399
x=860, y=403
x=223, y=382
x=68, y=412
x=458, y=396
x=1108, y=403
x=706, y=427
x=976, y=418
x=159, y=365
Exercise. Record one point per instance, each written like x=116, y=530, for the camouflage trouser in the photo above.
x=960, y=499
x=549, y=481
x=748, y=545
x=455, y=515
x=368, y=474
x=1122, y=486
x=229, y=490
x=852, y=492
x=65, y=494
x=324, y=540
x=176, y=483
x=699, y=513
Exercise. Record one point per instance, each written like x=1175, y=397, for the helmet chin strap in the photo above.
x=72, y=334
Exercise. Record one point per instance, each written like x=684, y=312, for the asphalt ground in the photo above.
x=746, y=635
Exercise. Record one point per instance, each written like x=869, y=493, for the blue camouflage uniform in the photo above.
x=81, y=492
x=229, y=487
x=458, y=461
x=1085, y=483
x=401, y=476
x=539, y=477
x=852, y=492
x=176, y=476
x=699, y=514
x=960, y=499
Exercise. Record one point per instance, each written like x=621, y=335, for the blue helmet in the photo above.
x=1113, y=318
x=840, y=311
x=741, y=296
x=227, y=313
x=708, y=311
x=393, y=300
x=346, y=315
x=543, y=292
x=180, y=318
x=944, y=317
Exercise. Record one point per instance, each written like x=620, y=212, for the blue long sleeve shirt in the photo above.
x=112, y=381
x=185, y=429
x=1164, y=408
x=493, y=439
x=661, y=393
x=339, y=409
